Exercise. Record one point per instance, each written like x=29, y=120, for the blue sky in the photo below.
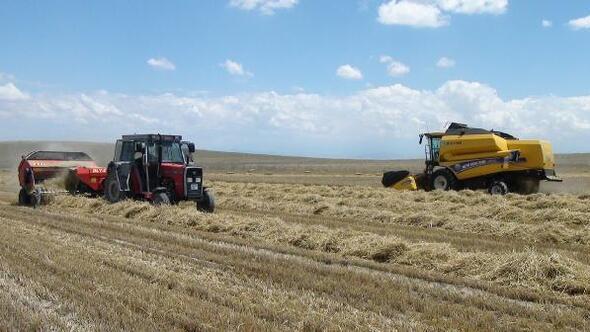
x=321, y=78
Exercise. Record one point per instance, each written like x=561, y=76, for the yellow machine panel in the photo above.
x=409, y=183
x=462, y=147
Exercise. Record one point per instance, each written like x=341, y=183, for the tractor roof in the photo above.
x=152, y=138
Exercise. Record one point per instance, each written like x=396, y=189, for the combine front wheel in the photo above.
x=443, y=179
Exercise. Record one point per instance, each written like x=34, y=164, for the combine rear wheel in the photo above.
x=498, y=188
x=207, y=203
x=443, y=179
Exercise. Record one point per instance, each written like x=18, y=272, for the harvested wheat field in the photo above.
x=292, y=255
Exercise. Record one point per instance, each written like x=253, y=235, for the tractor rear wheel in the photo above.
x=24, y=198
x=498, y=188
x=112, y=189
x=161, y=198
x=207, y=203
x=443, y=179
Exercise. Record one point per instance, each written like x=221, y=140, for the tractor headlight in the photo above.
x=198, y=180
x=189, y=180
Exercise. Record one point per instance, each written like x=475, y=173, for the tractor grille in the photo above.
x=194, y=182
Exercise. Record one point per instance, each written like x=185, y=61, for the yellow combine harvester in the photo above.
x=474, y=158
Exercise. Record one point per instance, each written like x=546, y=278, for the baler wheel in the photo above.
x=24, y=199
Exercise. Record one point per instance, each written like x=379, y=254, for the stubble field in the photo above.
x=301, y=244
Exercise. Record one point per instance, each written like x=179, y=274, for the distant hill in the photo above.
x=216, y=161
x=11, y=152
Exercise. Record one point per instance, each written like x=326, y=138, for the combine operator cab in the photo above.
x=432, y=150
x=156, y=168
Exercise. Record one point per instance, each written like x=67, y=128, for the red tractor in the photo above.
x=156, y=168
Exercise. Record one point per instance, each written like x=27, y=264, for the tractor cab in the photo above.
x=157, y=168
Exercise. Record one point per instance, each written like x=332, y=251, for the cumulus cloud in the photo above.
x=434, y=13
x=161, y=64
x=474, y=6
x=10, y=92
x=394, y=68
x=546, y=23
x=349, y=72
x=235, y=68
x=266, y=7
x=385, y=120
x=445, y=62
x=411, y=13
x=580, y=23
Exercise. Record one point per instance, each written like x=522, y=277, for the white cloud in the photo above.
x=161, y=64
x=349, y=72
x=474, y=6
x=546, y=23
x=580, y=23
x=433, y=13
x=235, y=68
x=266, y=7
x=445, y=62
x=394, y=68
x=410, y=13
x=385, y=59
x=10, y=92
x=385, y=120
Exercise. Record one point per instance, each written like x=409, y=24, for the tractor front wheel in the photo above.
x=161, y=198
x=112, y=189
x=207, y=203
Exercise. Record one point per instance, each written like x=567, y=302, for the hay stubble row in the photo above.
x=294, y=256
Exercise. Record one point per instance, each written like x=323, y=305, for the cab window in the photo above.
x=127, y=149
x=435, y=147
x=172, y=153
